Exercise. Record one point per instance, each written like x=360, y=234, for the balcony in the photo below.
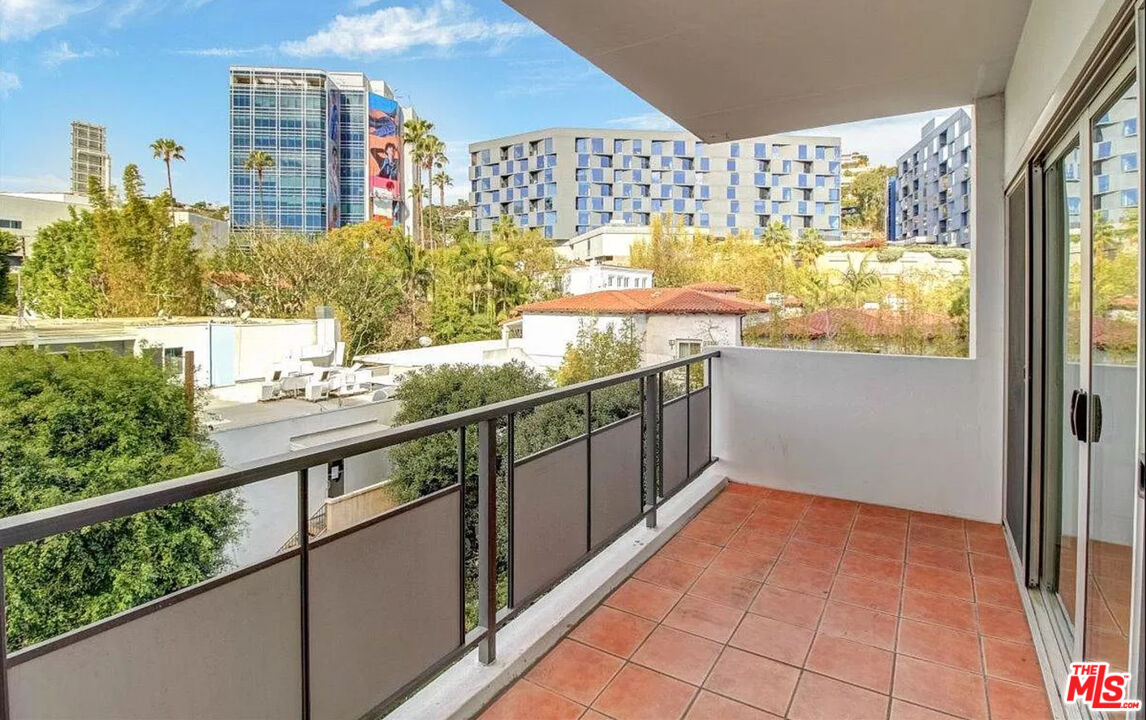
x=676, y=558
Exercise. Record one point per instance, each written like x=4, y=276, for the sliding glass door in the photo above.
x=1084, y=564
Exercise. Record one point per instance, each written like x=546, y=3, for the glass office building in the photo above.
x=314, y=125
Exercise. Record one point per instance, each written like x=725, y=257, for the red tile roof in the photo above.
x=646, y=301
x=713, y=287
x=874, y=323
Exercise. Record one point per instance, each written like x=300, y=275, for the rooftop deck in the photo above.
x=779, y=604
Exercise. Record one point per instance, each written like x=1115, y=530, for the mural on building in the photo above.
x=385, y=150
x=334, y=135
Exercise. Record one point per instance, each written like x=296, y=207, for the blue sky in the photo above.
x=158, y=68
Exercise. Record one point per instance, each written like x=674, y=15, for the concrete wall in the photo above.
x=545, y=337
x=914, y=432
x=35, y=213
x=1058, y=37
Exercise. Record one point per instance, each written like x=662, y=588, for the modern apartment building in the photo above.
x=336, y=142
x=934, y=185
x=1114, y=164
x=567, y=181
x=89, y=156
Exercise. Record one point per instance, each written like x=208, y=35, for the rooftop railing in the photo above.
x=349, y=624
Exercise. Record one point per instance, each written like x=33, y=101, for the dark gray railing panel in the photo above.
x=699, y=431
x=616, y=478
x=549, y=516
x=384, y=606
x=675, y=452
x=228, y=652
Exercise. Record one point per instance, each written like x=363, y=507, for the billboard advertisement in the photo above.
x=384, y=147
x=333, y=162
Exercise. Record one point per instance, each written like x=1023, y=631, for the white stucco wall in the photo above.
x=1058, y=37
x=546, y=336
x=915, y=432
x=663, y=330
x=591, y=278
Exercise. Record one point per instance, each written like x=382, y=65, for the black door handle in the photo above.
x=1095, y=418
x=1078, y=415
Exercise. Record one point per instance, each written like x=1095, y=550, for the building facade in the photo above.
x=23, y=214
x=336, y=142
x=566, y=182
x=933, y=182
x=1114, y=165
x=89, y=156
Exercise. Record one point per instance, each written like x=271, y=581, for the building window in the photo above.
x=11, y=224
x=687, y=348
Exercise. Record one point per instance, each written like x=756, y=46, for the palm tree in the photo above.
x=259, y=161
x=495, y=268
x=414, y=133
x=167, y=150
x=859, y=279
x=413, y=273
x=810, y=247
x=433, y=156
x=443, y=180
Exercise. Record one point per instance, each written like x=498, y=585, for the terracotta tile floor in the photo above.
x=775, y=604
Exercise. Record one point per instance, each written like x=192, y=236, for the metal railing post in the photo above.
x=708, y=384
x=588, y=472
x=487, y=539
x=649, y=415
x=304, y=585
x=4, y=644
x=462, y=533
x=510, y=455
x=687, y=423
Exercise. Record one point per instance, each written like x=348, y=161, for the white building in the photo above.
x=670, y=322
x=228, y=351
x=210, y=232
x=24, y=213
x=596, y=276
x=607, y=243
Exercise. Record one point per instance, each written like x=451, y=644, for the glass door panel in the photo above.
x=1063, y=379
x=1113, y=348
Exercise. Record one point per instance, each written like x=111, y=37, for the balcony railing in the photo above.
x=348, y=624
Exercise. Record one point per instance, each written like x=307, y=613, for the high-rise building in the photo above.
x=934, y=184
x=1114, y=163
x=89, y=156
x=565, y=182
x=335, y=141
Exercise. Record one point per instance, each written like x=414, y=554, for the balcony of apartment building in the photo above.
x=750, y=532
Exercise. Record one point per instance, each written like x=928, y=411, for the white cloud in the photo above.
x=9, y=83
x=442, y=25
x=62, y=53
x=883, y=140
x=645, y=121
x=22, y=19
x=34, y=183
x=225, y=52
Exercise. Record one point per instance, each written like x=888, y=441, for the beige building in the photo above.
x=23, y=214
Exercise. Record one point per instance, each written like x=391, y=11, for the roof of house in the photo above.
x=713, y=287
x=874, y=323
x=646, y=301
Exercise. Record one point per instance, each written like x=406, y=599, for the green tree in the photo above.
x=80, y=425
x=868, y=194
x=167, y=149
x=599, y=352
x=442, y=180
x=60, y=278
x=9, y=244
x=810, y=247
x=859, y=280
x=260, y=162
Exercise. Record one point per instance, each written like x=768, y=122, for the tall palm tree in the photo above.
x=496, y=270
x=414, y=133
x=167, y=150
x=414, y=274
x=433, y=156
x=859, y=279
x=443, y=180
x=259, y=161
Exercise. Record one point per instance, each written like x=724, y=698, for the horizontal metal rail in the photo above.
x=40, y=524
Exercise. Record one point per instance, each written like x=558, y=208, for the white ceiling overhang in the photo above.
x=729, y=69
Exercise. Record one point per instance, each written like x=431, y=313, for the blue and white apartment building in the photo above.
x=933, y=186
x=315, y=126
x=568, y=181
